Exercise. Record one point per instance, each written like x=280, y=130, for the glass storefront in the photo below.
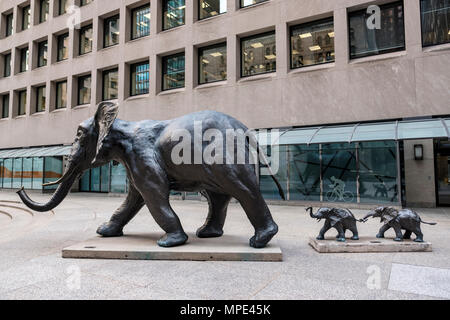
x=107, y=178
x=365, y=172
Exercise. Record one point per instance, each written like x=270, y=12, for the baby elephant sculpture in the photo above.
x=340, y=219
x=405, y=219
x=146, y=148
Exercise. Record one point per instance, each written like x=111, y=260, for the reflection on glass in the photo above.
x=173, y=13
x=104, y=185
x=95, y=179
x=17, y=173
x=211, y=8
x=312, y=44
x=61, y=95
x=84, y=90
x=140, y=78
x=63, y=6
x=365, y=41
x=53, y=170
x=40, y=99
x=22, y=103
x=7, y=70
x=7, y=173
x=118, y=179
x=63, y=47
x=140, y=22
x=339, y=172
x=5, y=106
x=85, y=181
x=24, y=59
x=26, y=17
x=173, y=71
x=111, y=31
x=42, y=54
x=9, y=25
x=213, y=63
x=304, y=172
x=258, y=54
x=43, y=12
x=27, y=173
x=110, y=84
x=435, y=21
x=38, y=173
x=86, y=39
x=267, y=186
x=246, y=3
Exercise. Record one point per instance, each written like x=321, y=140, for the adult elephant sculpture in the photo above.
x=340, y=219
x=145, y=149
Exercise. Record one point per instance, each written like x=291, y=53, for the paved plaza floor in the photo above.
x=31, y=266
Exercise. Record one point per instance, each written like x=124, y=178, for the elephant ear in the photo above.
x=104, y=118
x=334, y=218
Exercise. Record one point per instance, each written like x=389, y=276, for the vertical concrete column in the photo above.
x=34, y=13
x=232, y=6
x=123, y=24
x=48, y=97
x=189, y=12
x=95, y=34
x=282, y=45
x=154, y=5
x=121, y=93
x=70, y=97
x=232, y=56
x=341, y=41
x=413, y=29
x=189, y=66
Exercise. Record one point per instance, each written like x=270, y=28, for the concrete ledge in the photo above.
x=368, y=244
x=144, y=247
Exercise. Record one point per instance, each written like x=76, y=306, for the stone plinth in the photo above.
x=144, y=247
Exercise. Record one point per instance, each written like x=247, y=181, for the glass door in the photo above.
x=443, y=173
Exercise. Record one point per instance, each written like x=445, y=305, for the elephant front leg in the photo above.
x=398, y=232
x=382, y=230
x=341, y=232
x=325, y=228
x=129, y=208
x=213, y=226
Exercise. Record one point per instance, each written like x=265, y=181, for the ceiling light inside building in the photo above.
x=331, y=34
x=257, y=45
x=215, y=54
x=205, y=61
x=306, y=35
x=147, y=15
x=270, y=56
x=315, y=48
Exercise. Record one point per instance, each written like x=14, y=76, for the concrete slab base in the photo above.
x=368, y=244
x=144, y=247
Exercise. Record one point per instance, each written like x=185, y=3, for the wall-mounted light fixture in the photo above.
x=418, y=152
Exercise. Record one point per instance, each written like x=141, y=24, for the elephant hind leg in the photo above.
x=407, y=234
x=354, y=231
x=419, y=235
x=213, y=226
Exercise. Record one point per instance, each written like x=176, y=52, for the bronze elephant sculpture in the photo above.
x=340, y=219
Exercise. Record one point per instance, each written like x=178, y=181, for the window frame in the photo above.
x=201, y=50
x=5, y=64
x=19, y=93
x=5, y=115
x=117, y=17
x=307, y=24
x=9, y=19
x=164, y=59
x=199, y=9
x=39, y=47
x=131, y=77
x=164, y=5
x=421, y=31
x=251, y=5
x=80, y=45
x=103, y=83
x=387, y=5
x=58, y=39
x=132, y=18
x=241, y=52
x=79, y=80
x=57, y=84
x=36, y=106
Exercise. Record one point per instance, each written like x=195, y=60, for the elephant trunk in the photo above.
x=58, y=196
x=311, y=214
x=367, y=216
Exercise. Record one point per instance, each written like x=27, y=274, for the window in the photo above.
x=26, y=14
x=211, y=8
x=85, y=2
x=43, y=11
x=173, y=13
x=140, y=22
x=40, y=99
x=258, y=54
x=63, y=6
x=5, y=106
x=61, y=95
x=110, y=84
x=24, y=59
x=22, y=105
x=111, y=31
x=435, y=22
x=63, y=47
x=86, y=40
x=84, y=90
x=247, y=3
x=173, y=71
x=139, y=78
x=9, y=25
x=312, y=43
x=368, y=42
x=212, y=63
x=42, y=54
x=7, y=65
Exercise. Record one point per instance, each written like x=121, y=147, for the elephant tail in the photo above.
x=430, y=223
x=266, y=163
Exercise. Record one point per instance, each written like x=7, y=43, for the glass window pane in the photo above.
x=53, y=170
x=246, y=3
x=173, y=13
x=365, y=41
x=104, y=187
x=85, y=2
x=211, y=8
x=213, y=63
x=42, y=54
x=378, y=172
x=268, y=187
x=17, y=173
x=84, y=90
x=5, y=106
x=86, y=39
x=435, y=21
x=27, y=173
x=111, y=31
x=312, y=44
x=7, y=173
x=339, y=172
x=38, y=173
x=304, y=172
x=110, y=84
x=61, y=95
x=22, y=103
x=173, y=72
x=85, y=181
x=95, y=179
x=25, y=17
x=63, y=47
x=40, y=99
x=1, y=173
x=118, y=179
x=140, y=78
x=43, y=12
x=24, y=59
x=258, y=55
x=63, y=6
x=7, y=64
x=9, y=25
x=140, y=22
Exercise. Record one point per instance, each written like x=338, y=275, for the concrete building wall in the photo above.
x=420, y=175
x=410, y=83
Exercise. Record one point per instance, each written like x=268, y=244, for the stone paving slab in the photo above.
x=144, y=247
x=368, y=244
